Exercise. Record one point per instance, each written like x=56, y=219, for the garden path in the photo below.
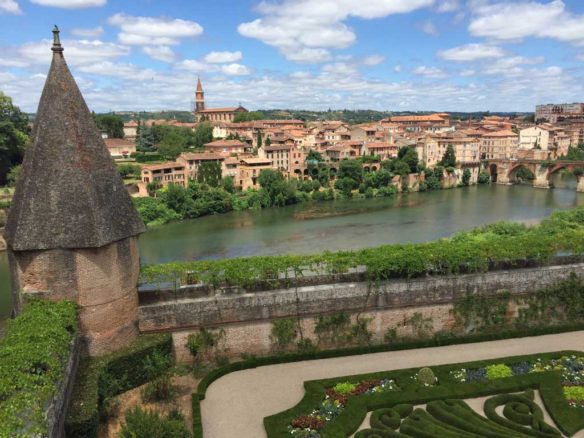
x=236, y=404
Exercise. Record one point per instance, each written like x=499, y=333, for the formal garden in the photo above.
x=430, y=402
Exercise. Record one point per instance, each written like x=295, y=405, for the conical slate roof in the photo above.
x=70, y=194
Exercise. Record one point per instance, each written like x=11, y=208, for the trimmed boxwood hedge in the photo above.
x=437, y=341
x=33, y=356
x=570, y=420
x=100, y=378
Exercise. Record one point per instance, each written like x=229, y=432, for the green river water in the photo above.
x=340, y=225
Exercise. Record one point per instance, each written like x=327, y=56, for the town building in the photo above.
x=249, y=172
x=545, y=137
x=553, y=113
x=424, y=123
x=279, y=156
x=202, y=113
x=120, y=147
x=432, y=147
x=498, y=145
x=193, y=160
x=131, y=129
x=226, y=147
x=384, y=149
x=164, y=174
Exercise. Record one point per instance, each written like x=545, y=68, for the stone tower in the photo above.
x=199, y=97
x=72, y=231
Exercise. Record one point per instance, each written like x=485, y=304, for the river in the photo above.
x=342, y=225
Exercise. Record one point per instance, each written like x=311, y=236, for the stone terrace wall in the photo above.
x=247, y=317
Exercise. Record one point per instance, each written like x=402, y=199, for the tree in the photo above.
x=314, y=156
x=111, y=124
x=449, y=158
x=13, y=135
x=409, y=156
x=351, y=169
x=145, y=139
x=171, y=146
x=259, y=139
x=400, y=167
x=247, y=116
x=203, y=135
x=466, y=177
x=268, y=141
x=346, y=186
x=209, y=172
x=228, y=184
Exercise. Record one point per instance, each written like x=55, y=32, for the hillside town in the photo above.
x=243, y=149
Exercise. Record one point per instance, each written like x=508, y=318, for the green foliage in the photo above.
x=280, y=191
x=359, y=332
x=33, y=356
x=283, y=333
x=330, y=329
x=203, y=135
x=482, y=312
x=344, y=387
x=484, y=177
x=524, y=174
x=129, y=170
x=14, y=175
x=409, y=156
x=466, y=175
x=143, y=157
x=314, y=156
x=209, y=173
x=575, y=393
x=205, y=345
x=14, y=133
x=351, y=169
x=498, y=371
x=449, y=158
x=426, y=377
x=111, y=124
x=98, y=380
x=247, y=116
x=150, y=424
x=154, y=211
x=346, y=186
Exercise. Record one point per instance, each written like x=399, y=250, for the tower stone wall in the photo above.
x=72, y=232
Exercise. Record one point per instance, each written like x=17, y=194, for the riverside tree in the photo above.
x=13, y=135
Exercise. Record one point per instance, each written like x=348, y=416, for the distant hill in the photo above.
x=348, y=116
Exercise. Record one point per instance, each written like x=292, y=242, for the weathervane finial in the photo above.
x=57, y=48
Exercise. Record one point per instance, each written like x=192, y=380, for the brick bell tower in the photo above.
x=72, y=231
x=199, y=99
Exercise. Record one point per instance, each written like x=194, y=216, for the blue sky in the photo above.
x=442, y=55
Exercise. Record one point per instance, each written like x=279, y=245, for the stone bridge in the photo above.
x=505, y=171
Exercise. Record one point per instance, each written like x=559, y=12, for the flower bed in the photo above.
x=571, y=369
x=511, y=381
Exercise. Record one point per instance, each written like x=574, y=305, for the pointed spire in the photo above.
x=70, y=194
x=57, y=48
x=199, y=85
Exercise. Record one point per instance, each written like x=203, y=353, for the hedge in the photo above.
x=33, y=356
x=437, y=341
x=142, y=157
x=570, y=420
x=100, y=378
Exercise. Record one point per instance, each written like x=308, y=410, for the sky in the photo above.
x=397, y=55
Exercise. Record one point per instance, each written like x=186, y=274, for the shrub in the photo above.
x=204, y=343
x=484, y=178
x=159, y=389
x=148, y=424
x=33, y=355
x=283, y=333
x=426, y=377
x=344, y=387
x=498, y=371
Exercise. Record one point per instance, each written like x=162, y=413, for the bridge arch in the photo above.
x=494, y=171
x=516, y=174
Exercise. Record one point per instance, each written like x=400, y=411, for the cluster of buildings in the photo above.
x=244, y=149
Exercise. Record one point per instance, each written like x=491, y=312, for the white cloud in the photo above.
x=91, y=32
x=448, y=6
x=153, y=31
x=10, y=6
x=70, y=4
x=511, y=21
x=160, y=53
x=77, y=52
x=373, y=60
x=222, y=57
x=467, y=73
x=428, y=28
x=193, y=65
x=580, y=57
x=118, y=70
x=429, y=72
x=510, y=66
x=306, y=30
x=235, y=69
x=471, y=52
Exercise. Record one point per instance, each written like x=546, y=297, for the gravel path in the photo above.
x=236, y=404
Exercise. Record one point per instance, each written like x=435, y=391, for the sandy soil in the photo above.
x=250, y=395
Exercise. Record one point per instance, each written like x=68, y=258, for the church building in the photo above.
x=213, y=114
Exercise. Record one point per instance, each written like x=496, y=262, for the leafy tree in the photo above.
x=14, y=175
x=314, y=156
x=13, y=135
x=281, y=192
x=111, y=124
x=259, y=139
x=466, y=175
x=351, y=169
x=129, y=170
x=346, y=186
x=209, y=173
x=268, y=141
x=409, y=156
x=228, y=184
x=247, y=116
x=170, y=149
x=484, y=178
x=400, y=167
x=145, y=141
x=203, y=134
x=154, y=211
x=449, y=158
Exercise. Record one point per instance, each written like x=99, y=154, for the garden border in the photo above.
x=436, y=341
